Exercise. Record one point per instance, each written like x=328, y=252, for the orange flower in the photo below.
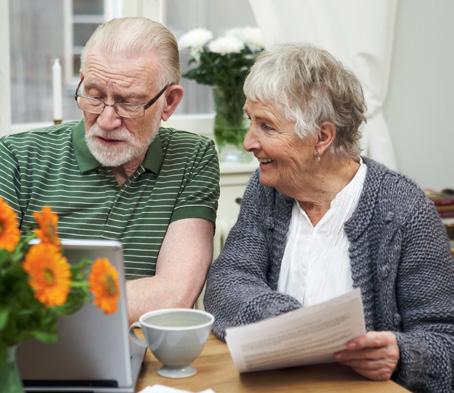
x=49, y=274
x=9, y=227
x=47, y=221
x=103, y=280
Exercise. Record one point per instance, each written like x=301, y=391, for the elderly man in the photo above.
x=117, y=174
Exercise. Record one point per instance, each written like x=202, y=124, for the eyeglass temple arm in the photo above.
x=76, y=93
x=156, y=97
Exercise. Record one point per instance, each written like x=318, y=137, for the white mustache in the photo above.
x=117, y=134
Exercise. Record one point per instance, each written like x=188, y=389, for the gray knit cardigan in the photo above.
x=400, y=258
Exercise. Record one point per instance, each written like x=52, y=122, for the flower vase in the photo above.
x=10, y=381
x=230, y=125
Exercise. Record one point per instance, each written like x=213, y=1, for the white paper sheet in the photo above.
x=306, y=336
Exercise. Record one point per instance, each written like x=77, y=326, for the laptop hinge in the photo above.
x=103, y=383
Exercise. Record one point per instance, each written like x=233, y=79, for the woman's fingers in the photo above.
x=374, y=355
x=369, y=364
x=376, y=375
x=372, y=340
x=388, y=352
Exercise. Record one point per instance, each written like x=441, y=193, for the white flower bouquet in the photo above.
x=223, y=63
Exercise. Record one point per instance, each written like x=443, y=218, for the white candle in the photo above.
x=56, y=90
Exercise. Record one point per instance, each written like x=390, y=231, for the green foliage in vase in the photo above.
x=224, y=64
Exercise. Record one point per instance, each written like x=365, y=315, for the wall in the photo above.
x=420, y=101
x=217, y=16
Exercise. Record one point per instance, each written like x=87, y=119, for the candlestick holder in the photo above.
x=57, y=121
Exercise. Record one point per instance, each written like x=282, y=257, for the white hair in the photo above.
x=310, y=86
x=137, y=35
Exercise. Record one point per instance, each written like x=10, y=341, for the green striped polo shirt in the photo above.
x=178, y=178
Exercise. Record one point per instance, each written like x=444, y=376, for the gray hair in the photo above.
x=133, y=36
x=311, y=87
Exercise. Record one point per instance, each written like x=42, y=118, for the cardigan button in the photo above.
x=385, y=269
x=269, y=223
x=397, y=319
x=389, y=216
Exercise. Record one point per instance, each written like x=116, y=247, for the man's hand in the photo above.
x=374, y=355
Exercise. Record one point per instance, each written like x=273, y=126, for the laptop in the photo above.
x=93, y=352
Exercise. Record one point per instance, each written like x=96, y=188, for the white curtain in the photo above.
x=357, y=32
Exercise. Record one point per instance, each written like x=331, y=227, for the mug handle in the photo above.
x=133, y=336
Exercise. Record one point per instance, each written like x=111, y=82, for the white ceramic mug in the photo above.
x=176, y=336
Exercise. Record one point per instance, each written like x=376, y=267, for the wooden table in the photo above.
x=216, y=371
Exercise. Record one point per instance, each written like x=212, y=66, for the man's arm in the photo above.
x=185, y=256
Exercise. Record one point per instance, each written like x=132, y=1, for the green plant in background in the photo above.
x=224, y=64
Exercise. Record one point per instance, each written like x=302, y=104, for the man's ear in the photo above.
x=325, y=137
x=173, y=96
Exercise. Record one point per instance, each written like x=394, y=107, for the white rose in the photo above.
x=195, y=38
x=251, y=36
x=224, y=45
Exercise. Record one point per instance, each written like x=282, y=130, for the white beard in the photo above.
x=130, y=147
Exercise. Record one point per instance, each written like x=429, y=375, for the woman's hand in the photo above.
x=374, y=355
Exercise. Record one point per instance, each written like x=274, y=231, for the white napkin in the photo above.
x=167, y=389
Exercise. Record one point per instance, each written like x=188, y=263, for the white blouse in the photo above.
x=316, y=265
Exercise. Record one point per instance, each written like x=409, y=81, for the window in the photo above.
x=85, y=17
x=215, y=15
x=41, y=31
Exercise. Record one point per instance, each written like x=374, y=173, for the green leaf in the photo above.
x=4, y=256
x=76, y=300
x=46, y=337
x=3, y=350
x=4, y=313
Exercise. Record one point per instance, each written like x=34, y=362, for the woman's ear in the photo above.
x=173, y=97
x=325, y=137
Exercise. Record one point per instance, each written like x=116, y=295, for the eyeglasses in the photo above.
x=123, y=109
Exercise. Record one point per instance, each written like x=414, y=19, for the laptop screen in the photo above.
x=93, y=348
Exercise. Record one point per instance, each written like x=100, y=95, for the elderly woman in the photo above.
x=317, y=220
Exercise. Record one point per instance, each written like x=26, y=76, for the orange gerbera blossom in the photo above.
x=104, y=286
x=47, y=221
x=49, y=274
x=9, y=227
